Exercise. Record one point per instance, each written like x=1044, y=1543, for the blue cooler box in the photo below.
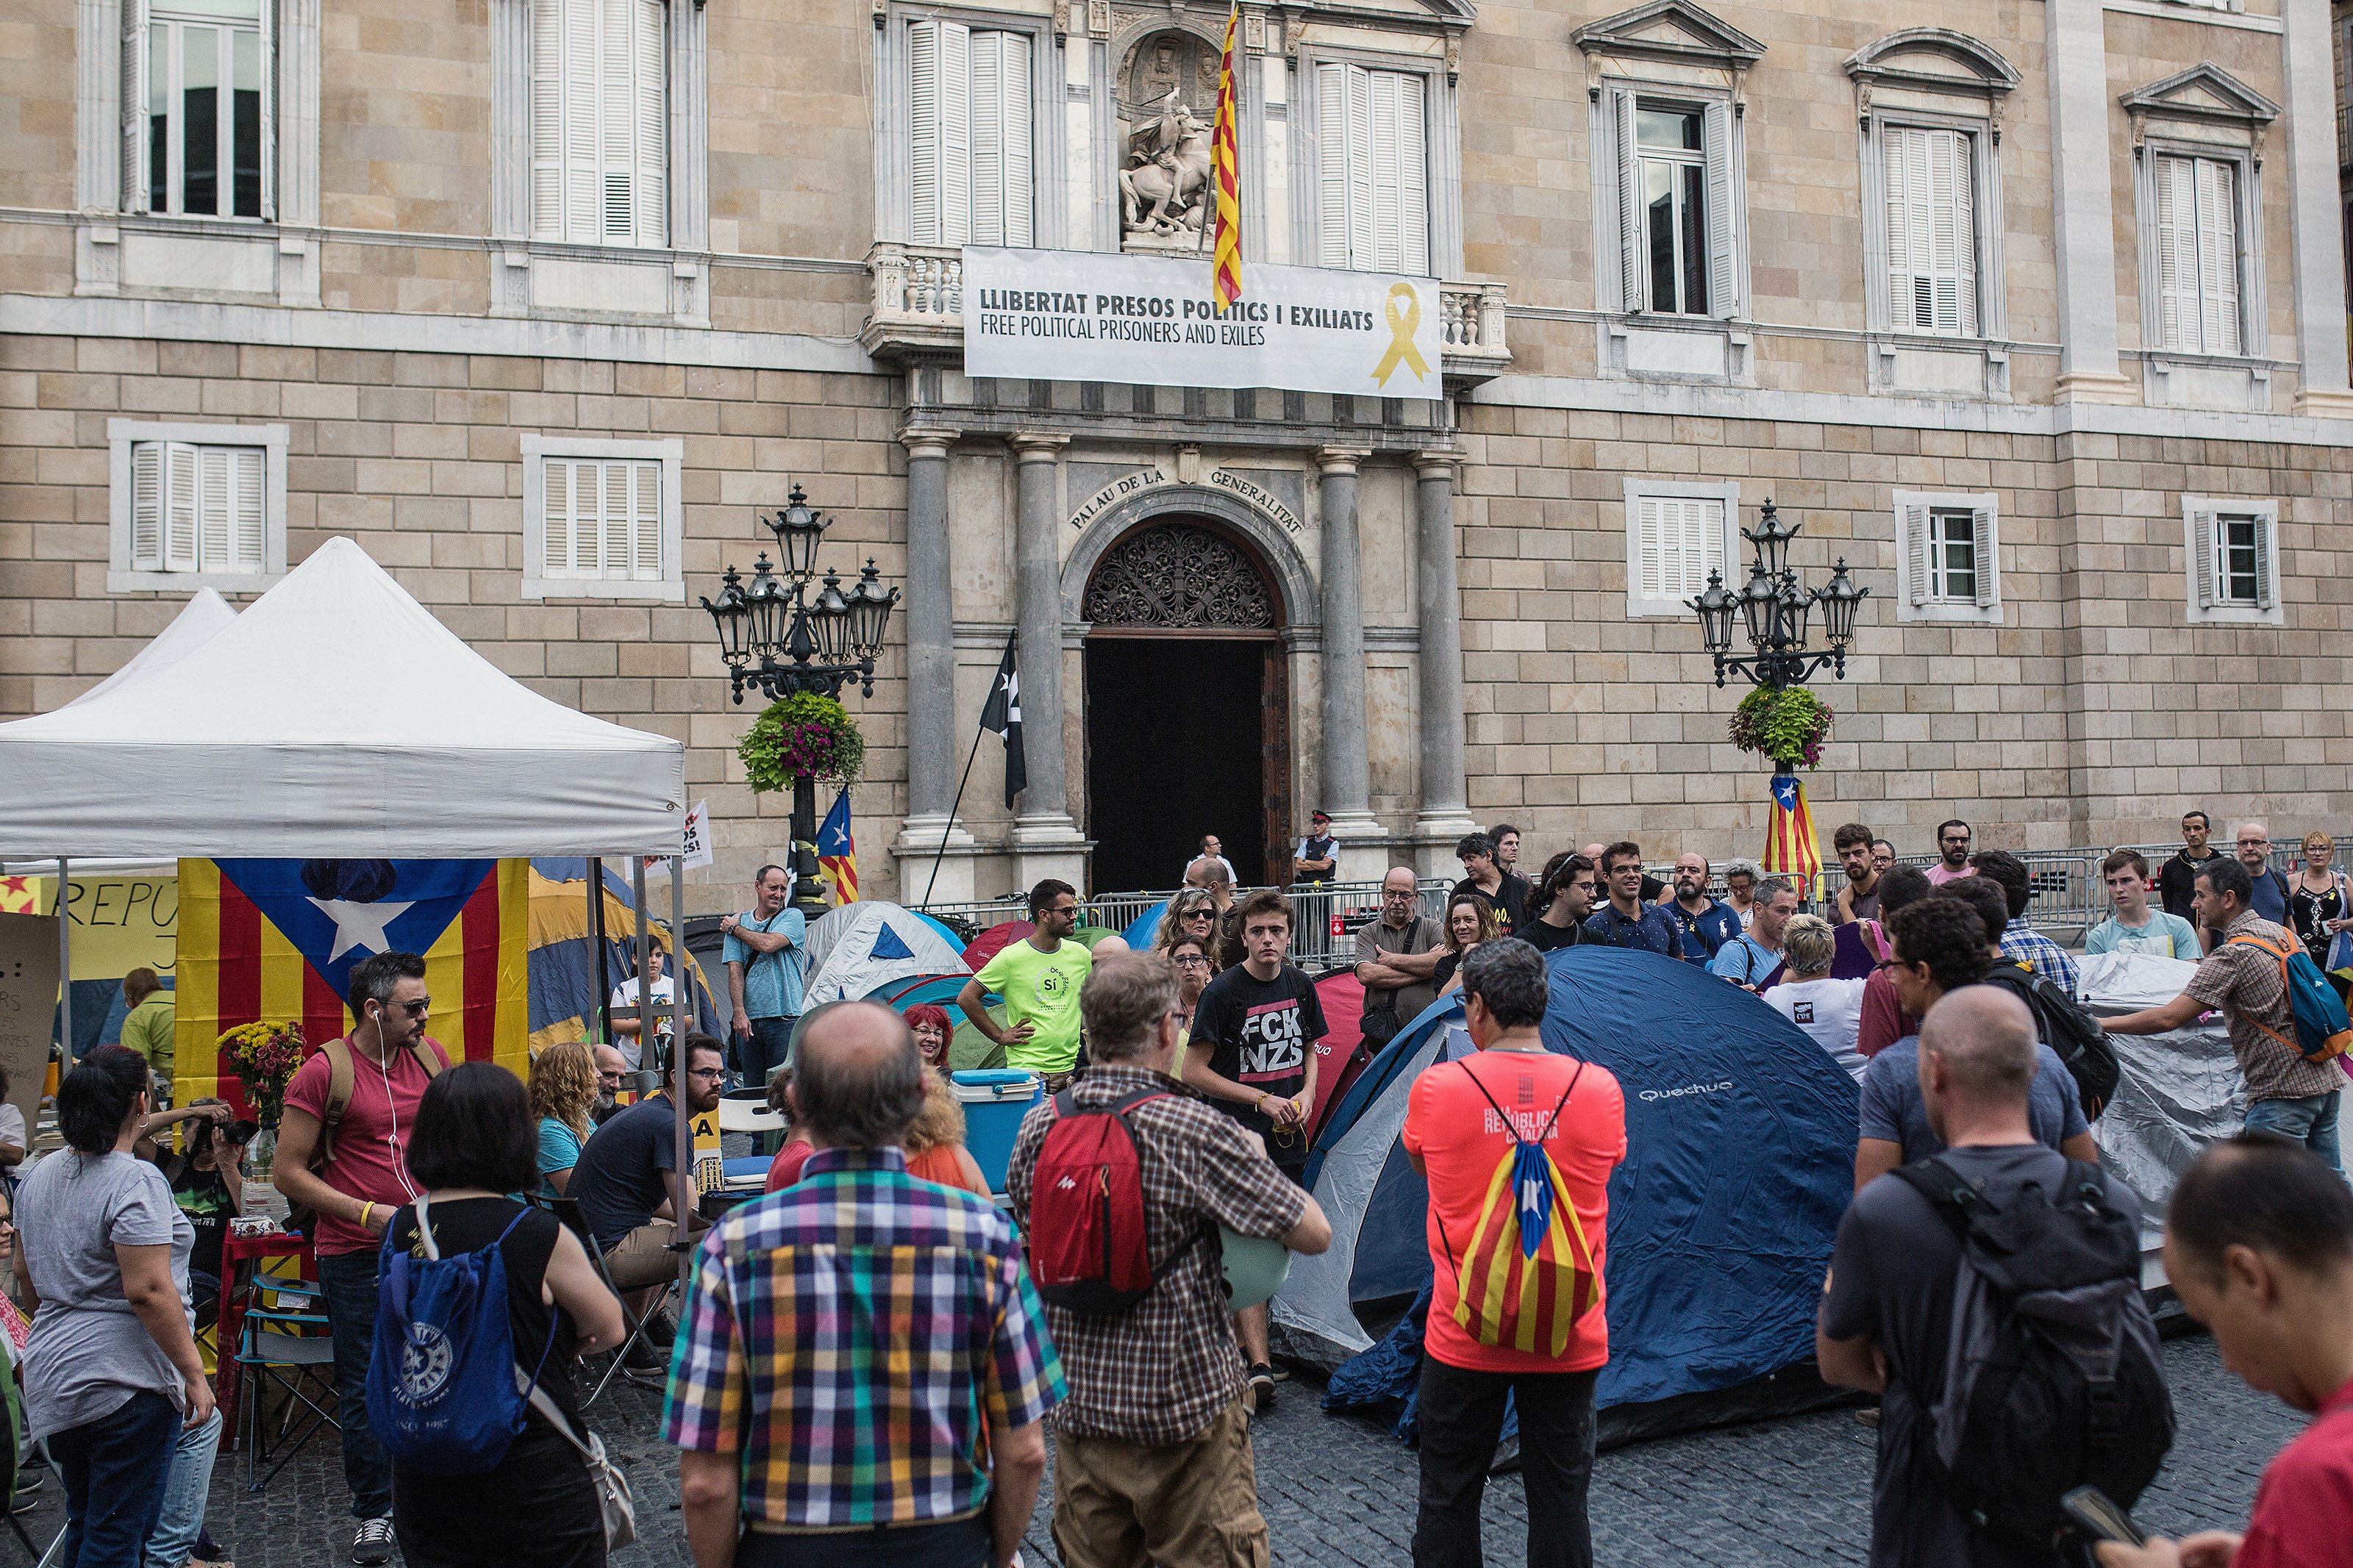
x=994, y=1100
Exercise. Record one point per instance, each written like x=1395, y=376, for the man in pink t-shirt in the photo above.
x=2259, y=1245
x=355, y=1194
x=1456, y=1136
x=1952, y=854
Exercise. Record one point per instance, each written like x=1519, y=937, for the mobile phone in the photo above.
x=2099, y=1516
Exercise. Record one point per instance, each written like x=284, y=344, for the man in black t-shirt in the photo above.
x=1562, y=902
x=1252, y=1053
x=1507, y=891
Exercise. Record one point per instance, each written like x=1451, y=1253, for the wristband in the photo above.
x=366, y=1209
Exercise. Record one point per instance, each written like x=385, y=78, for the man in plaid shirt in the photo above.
x=862, y=1370
x=2021, y=943
x=1152, y=1450
x=2287, y=1095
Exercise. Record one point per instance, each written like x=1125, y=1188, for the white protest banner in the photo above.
x=29, y=1006
x=1079, y=315
x=696, y=851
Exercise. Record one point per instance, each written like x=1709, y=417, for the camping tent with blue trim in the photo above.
x=859, y=947
x=1740, y=1134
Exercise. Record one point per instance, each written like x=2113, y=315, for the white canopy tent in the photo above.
x=337, y=718
x=334, y=717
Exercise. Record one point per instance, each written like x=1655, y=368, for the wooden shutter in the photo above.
x=556, y=475
x=249, y=536
x=998, y=107
x=616, y=108
x=2202, y=554
x=547, y=123
x=147, y=506
x=216, y=495
x=1899, y=150
x=1332, y=163
x=1019, y=177
x=1722, y=249
x=180, y=507
x=2177, y=253
x=1364, y=226
x=923, y=133
x=1413, y=172
x=649, y=99
x=135, y=66
x=1981, y=523
x=1960, y=150
x=1396, y=184
x=1651, y=522
x=583, y=139
x=2263, y=531
x=2217, y=256
x=1630, y=269
x=644, y=562
x=1917, y=541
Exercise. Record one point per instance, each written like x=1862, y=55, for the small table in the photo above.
x=235, y=1287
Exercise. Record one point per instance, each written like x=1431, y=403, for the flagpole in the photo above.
x=977, y=734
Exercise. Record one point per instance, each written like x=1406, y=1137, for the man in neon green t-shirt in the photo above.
x=1039, y=977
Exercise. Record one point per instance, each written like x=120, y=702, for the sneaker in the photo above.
x=1261, y=1383
x=646, y=1356
x=372, y=1545
x=662, y=1332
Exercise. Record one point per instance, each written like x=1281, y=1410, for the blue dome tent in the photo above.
x=1740, y=1160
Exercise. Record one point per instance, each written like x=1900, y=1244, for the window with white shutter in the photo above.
x=1932, y=242
x=2233, y=549
x=198, y=508
x=2199, y=258
x=601, y=518
x=1674, y=183
x=1948, y=557
x=1373, y=146
x=599, y=102
x=1676, y=534
x=195, y=107
x=971, y=161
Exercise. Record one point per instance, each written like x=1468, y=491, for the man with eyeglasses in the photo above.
x=622, y=1182
x=612, y=1068
x=1394, y=957
x=1952, y=853
x=342, y=1153
x=2269, y=901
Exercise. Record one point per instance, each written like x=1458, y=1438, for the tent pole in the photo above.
x=645, y=943
x=684, y=1160
x=64, y=973
x=596, y=941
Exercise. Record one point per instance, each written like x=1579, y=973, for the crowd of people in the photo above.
x=817, y=1427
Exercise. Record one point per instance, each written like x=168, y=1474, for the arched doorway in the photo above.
x=1188, y=720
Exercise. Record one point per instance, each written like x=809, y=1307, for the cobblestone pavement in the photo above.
x=1338, y=1490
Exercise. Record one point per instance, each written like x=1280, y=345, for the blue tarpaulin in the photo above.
x=1740, y=1160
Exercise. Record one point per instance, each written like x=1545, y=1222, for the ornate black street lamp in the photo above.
x=1774, y=610
x=776, y=635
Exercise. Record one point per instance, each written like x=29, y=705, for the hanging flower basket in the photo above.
x=1789, y=724
x=802, y=736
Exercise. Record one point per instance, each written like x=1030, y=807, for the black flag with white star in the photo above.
x=1002, y=717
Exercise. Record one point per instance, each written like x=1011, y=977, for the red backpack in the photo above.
x=1087, y=1246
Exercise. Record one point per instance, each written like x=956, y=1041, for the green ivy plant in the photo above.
x=1789, y=724
x=802, y=736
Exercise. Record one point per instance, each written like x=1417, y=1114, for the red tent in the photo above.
x=988, y=943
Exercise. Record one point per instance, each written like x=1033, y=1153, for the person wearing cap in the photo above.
x=1318, y=855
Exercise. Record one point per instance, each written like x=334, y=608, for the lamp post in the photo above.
x=1773, y=610
x=774, y=634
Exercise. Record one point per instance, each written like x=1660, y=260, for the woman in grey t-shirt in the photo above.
x=111, y=1372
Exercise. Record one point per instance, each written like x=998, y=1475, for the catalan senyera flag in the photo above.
x=1226, y=179
x=1528, y=1274
x=278, y=939
x=1789, y=846
x=837, y=851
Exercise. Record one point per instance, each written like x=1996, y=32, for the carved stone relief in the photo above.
x=1168, y=99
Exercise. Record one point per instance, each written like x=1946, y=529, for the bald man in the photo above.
x=2254, y=848
x=612, y=1070
x=749, y=1456
x=1888, y=1306
x=1941, y=955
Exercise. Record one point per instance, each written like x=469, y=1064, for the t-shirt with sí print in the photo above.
x=1261, y=1031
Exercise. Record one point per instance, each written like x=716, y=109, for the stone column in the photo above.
x=1445, y=815
x=1347, y=771
x=1044, y=836
x=933, y=723
x=2082, y=215
x=2312, y=154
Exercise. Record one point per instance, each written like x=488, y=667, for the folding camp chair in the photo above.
x=285, y=1350
x=567, y=1211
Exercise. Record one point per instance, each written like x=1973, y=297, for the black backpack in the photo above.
x=2052, y=1378
x=2070, y=1031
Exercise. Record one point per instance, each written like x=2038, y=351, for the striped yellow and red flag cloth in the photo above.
x=1789, y=846
x=1529, y=1274
x=1226, y=179
x=276, y=940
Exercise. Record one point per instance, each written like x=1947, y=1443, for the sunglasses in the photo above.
x=416, y=1009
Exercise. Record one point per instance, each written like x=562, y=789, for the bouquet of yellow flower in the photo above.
x=264, y=1055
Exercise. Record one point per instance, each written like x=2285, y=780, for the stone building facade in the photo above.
x=2033, y=314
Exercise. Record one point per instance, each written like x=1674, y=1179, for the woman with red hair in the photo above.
x=935, y=1145
x=934, y=1032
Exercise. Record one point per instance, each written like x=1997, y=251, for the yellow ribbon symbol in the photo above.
x=1402, y=323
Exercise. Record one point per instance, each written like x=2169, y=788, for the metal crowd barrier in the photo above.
x=1324, y=934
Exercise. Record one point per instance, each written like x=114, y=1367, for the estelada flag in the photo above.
x=1226, y=179
x=837, y=850
x=278, y=939
x=1789, y=847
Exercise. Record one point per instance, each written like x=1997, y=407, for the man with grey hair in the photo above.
x=1889, y=1306
x=1396, y=956
x=1830, y=1010
x=1152, y=1449
x=1458, y=1133
x=950, y=1459
x=1749, y=957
